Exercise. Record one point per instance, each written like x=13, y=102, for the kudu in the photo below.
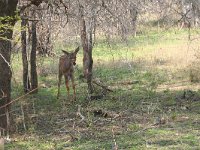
x=66, y=68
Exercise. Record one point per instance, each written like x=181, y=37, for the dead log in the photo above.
x=102, y=86
x=105, y=114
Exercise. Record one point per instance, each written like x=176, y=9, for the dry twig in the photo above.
x=78, y=113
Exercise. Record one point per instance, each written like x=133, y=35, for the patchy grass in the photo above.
x=153, y=104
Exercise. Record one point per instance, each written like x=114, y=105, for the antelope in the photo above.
x=66, y=68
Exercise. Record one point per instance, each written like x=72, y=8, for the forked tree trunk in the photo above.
x=86, y=40
x=34, y=80
x=7, y=10
x=26, y=81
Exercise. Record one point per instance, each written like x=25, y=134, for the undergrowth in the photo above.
x=153, y=103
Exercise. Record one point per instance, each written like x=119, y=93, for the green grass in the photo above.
x=147, y=83
x=32, y=144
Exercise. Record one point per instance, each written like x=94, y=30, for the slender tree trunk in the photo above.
x=26, y=82
x=34, y=80
x=134, y=14
x=87, y=51
x=1, y=143
x=49, y=42
x=7, y=10
x=5, y=80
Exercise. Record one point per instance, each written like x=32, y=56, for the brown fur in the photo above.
x=66, y=68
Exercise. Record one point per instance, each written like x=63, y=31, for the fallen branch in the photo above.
x=18, y=98
x=128, y=82
x=105, y=114
x=78, y=113
x=103, y=86
x=115, y=146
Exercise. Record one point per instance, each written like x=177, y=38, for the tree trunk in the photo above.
x=26, y=82
x=7, y=10
x=34, y=80
x=5, y=80
x=134, y=14
x=1, y=143
x=87, y=51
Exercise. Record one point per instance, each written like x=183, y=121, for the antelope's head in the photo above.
x=72, y=55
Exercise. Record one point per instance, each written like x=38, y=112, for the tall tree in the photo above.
x=86, y=33
x=7, y=21
x=26, y=81
x=34, y=80
x=29, y=11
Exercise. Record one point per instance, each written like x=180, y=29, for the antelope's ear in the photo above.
x=65, y=52
x=76, y=50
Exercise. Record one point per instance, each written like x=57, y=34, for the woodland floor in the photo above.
x=154, y=104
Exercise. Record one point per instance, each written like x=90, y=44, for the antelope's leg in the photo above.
x=67, y=85
x=59, y=82
x=74, y=88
